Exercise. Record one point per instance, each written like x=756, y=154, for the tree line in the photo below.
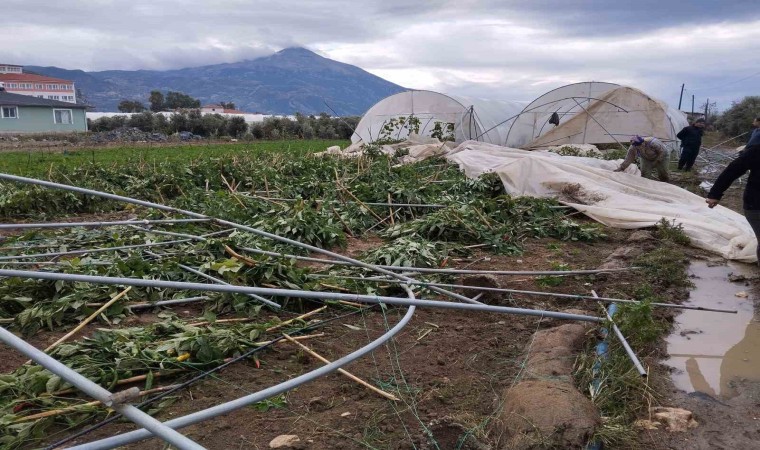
x=321, y=126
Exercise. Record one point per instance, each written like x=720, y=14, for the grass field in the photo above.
x=37, y=162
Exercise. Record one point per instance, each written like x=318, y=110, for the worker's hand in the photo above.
x=711, y=202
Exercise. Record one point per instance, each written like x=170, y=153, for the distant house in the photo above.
x=18, y=82
x=26, y=114
x=218, y=109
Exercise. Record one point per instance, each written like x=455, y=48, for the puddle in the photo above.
x=711, y=351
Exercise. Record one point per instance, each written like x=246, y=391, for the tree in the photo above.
x=712, y=112
x=738, y=118
x=156, y=100
x=236, y=126
x=176, y=100
x=131, y=106
x=227, y=105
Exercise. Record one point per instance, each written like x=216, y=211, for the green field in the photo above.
x=38, y=161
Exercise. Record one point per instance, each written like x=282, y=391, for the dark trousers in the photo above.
x=753, y=217
x=688, y=156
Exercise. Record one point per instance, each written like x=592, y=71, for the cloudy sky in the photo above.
x=512, y=50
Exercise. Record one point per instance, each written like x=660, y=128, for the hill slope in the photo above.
x=289, y=81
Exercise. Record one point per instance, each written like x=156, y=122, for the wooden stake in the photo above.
x=201, y=324
x=350, y=194
x=130, y=380
x=299, y=338
x=390, y=208
x=86, y=321
x=345, y=225
x=247, y=261
x=301, y=317
x=344, y=372
x=58, y=412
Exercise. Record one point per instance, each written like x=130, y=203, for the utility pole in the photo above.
x=692, y=105
x=680, y=97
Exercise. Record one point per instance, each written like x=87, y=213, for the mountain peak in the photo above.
x=295, y=79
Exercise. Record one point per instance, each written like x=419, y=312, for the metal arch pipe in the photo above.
x=264, y=394
x=97, y=392
x=520, y=291
x=224, y=283
x=276, y=292
x=94, y=250
x=20, y=226
x=196, y=215
x=449, y=271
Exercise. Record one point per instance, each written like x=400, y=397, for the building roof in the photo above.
x=31, y=78
x=8, y=99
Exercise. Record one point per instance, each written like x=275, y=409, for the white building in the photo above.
x=16, y=81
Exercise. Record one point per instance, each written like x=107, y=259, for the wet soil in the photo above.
x=713, y=368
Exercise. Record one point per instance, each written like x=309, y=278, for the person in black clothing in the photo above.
x=691, y=141
x=748, y=159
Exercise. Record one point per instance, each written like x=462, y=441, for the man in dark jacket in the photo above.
x=748, y=159
x=691, y=141
x=754, y=134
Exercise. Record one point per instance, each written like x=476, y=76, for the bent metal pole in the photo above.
x=97, y=392
x=65, y=187
x=276, y=292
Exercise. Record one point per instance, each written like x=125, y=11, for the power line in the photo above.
x=725, y=84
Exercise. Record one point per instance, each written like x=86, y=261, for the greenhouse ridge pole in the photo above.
x=95, y=391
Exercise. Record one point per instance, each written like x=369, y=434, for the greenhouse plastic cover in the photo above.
x=595, y=112
x=619, y=200
x=473, y=118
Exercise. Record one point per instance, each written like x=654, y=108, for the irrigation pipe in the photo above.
x=228, y=407
x=201, y=376
x=449, y=271
x=293, y=293
x=98, y=393
x=518, y=291
x=609, y=312
x=255, y=231
x=14, y=226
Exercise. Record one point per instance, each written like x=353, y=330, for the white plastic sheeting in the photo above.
x=472, y=118
x=595, y=113
x=619, y=200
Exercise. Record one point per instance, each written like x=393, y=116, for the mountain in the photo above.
x=289, y=81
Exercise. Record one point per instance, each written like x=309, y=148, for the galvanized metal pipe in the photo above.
x=634, y=359
x=19, y=226
x=519, y=291
x=97, y=392
x=224, y=283
x=222, y=222
x=276, y=292
x=92, y=250
x=443, y=271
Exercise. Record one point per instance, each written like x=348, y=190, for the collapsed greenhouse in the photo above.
x=594, y=113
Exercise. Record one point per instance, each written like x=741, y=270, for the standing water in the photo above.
x=711, y=351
